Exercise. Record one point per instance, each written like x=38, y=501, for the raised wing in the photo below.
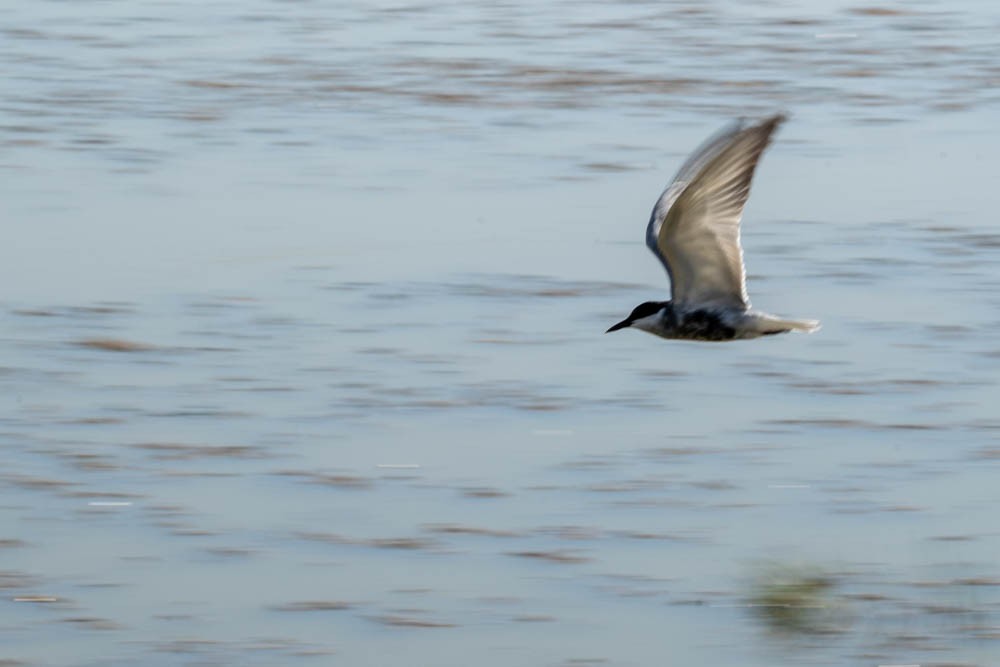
x=695, y=226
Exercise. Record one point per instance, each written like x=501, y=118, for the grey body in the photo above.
x=694, y=230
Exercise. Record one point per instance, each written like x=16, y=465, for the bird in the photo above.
x=694, y=230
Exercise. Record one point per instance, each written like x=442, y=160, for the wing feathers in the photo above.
x=695, y=226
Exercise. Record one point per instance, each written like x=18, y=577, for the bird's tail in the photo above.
x=805, y=326
x=769, y=324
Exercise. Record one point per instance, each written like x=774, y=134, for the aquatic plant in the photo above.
x=794, y=599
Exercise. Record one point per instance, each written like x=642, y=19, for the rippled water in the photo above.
x=302, y=357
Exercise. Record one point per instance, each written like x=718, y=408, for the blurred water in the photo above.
x=302, y=357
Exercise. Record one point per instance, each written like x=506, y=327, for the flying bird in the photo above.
x=694, y=231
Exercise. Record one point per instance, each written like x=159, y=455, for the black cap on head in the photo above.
x=642, y=310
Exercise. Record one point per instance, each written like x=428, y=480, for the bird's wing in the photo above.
x=695, y=226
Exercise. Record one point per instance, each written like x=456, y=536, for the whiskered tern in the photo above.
x=694, y=231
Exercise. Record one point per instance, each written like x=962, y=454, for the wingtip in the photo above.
x=756, y=123
x=774, y=120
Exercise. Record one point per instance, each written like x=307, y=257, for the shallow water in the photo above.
x=302, y=357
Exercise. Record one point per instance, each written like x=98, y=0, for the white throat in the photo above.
x=651, y=323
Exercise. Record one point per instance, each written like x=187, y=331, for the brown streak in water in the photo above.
x=408, y=543
x=977, y=581
x=671, y=452
x=230, y=552
x=186, y=645
x=403, y=543
x=85, y=461
x=484, y=492
x=26, y=482
x=853, y=423
x=551, y=556
x=114, y=345
x=193, y=532
x=336, y=480
x=30, y=312
x=14, y=579
x=877, y=11
x=457, y=529
x=102, y=494
x=95, y=421
x=572, y=533
x=178, y=451
x=397, y=620
x=199, y=83
x=642, y=535
x=92, y=623
x=314, y=605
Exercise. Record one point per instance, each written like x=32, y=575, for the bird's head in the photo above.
x=642, y=316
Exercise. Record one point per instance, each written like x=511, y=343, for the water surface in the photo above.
x=302, y=358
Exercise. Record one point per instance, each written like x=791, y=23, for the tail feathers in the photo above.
x=770, y=324
x=805, y=326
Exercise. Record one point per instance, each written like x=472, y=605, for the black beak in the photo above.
x=620, y=325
